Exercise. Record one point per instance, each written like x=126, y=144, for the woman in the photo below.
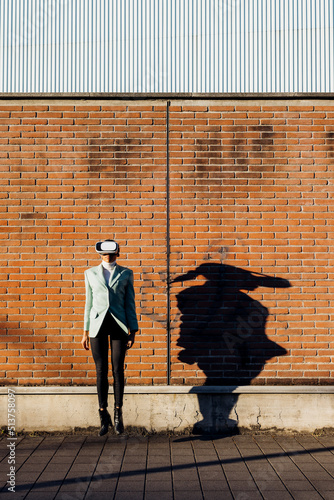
x=110, y=312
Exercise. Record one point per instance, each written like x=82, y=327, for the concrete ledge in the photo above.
x=177, y=389
x=175, y=408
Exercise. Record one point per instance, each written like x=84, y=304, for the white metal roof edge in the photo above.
x=166, y=95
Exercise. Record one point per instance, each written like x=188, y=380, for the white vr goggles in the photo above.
x=106, y=247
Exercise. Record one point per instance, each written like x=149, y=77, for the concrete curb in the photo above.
x=174, y=408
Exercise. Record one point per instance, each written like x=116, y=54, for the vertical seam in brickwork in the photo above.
x=168, y=245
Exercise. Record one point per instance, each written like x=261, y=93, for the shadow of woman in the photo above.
x=223, y=331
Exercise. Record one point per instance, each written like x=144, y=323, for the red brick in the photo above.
x=231, y=188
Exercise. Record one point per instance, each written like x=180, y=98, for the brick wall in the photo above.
x=250, y=232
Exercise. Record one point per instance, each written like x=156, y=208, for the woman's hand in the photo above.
x=131, y=340
x=85, y=340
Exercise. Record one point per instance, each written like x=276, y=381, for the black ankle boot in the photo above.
x=118, y=421
x=105, y=421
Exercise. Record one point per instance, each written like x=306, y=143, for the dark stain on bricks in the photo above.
x=265, y=136
x=207, y=149
x=330, y=144
x=33, y=215
x=261, y=147
x=233, y=149
x=208, y=161
x=113, y=156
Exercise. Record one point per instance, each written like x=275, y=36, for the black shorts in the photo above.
x=112, y=328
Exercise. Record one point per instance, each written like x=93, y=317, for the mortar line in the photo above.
x=46, y=465
x=289, y=454
x=146, y=465
x=313, y=456
x=171, y=467
x=97, y=462
x=196, y=465
x=120, y=469
x=271, y=465
x=70, y=467
x=222, y=466
x=3, y=489
x=247, y=466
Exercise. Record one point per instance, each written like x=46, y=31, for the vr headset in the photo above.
x=106, y=247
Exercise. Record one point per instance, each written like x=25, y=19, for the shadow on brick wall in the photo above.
x=223, y=331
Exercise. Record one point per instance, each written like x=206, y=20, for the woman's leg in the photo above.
x=118, y=350
x=99, y=346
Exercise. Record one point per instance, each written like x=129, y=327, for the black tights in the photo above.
x=100, y=347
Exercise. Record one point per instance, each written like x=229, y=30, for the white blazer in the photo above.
x=118, y=297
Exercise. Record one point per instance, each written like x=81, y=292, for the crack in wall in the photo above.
x=258, y=418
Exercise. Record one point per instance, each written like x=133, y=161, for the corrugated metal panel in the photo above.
x=166, y=46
